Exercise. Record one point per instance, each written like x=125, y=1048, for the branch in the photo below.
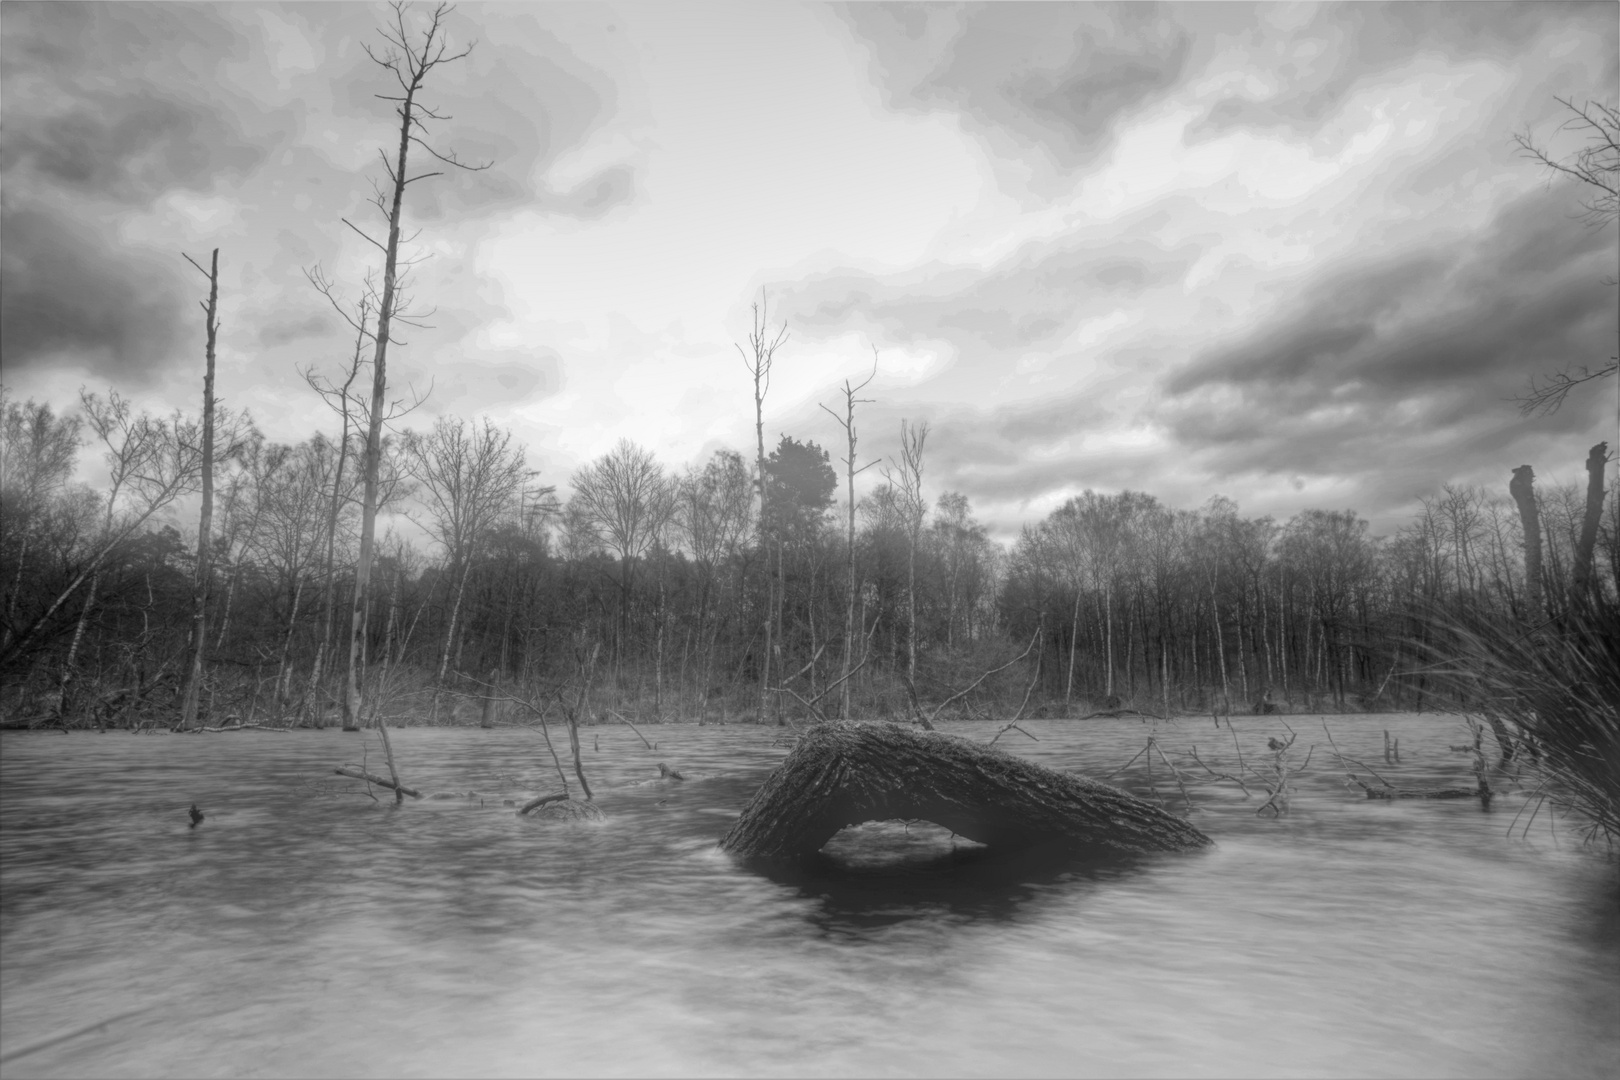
x=354, y=772
x=969, y=689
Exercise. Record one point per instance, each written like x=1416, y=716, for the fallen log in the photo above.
x=846, y=773
x=562, y=808
x=373, y=778
x=1425, y=793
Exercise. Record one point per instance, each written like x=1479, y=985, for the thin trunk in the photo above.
x=1108, y=634
x=329, y=591
x=284, y=671
x=205, y=526
x=230, y=599
x=78, y=636
x=1074, y=640
x=450, y=635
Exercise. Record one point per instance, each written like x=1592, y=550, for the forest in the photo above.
x=699, y=606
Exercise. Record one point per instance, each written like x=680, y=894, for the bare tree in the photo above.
x=906, y=480
x=715, y=513
x=37, y=453
x=758, y=358
x=410, y=59
x=205, y=523
x=150, y=463
x=847, y=422
x=471, y=476
x=338, y=397
x=626, y=496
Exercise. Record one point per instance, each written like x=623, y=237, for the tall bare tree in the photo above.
x=205, y=524
x=906, y=479
x=758, y=359
x=847, y=422
x=410, y=58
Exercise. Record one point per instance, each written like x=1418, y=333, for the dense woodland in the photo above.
x=674, y=580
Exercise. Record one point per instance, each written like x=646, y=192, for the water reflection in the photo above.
x=884, y=873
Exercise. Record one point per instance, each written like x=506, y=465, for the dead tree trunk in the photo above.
x=205, y=525
x=847, y=421
x=1596, y=459
x=1522, y=488
x=843, y=774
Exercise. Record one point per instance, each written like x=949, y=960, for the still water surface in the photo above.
x=300, y=932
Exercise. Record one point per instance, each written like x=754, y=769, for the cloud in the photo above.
x=1052, y=79
x=593, y=199
x=63, y=289
x=1035, y=298
x=1310, y=69
x=87, y=108
x=288, y=330
x=1414, y=353
x=94, y=135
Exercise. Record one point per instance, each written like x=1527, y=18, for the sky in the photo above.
x=1289, y=254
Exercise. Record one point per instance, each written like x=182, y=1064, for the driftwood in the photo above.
x=846, y=773
x=1115, y=714
x=1422, y=793
x=535, y=804
x=239, y=727
x=372, y=778
x=563, y=808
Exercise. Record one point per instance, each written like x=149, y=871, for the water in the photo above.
x=300, y=932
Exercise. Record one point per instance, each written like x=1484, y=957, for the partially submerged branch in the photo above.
x=354, y=772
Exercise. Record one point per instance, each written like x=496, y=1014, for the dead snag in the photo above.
x=355, y=773
x=846, y=773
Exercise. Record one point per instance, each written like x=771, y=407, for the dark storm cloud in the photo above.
x=83, y=109
x=1033, y=299
x=89, y=136
x=1357, y=42
x=1052, y=76
x=1399, y=355
x=63, y=288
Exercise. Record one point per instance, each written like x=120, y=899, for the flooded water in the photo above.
x=302, y=932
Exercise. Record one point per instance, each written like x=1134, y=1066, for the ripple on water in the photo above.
x=305, y=930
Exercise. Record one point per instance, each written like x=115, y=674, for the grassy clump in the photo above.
x=1556, y=687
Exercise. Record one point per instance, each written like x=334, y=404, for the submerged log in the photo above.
x=843, y=774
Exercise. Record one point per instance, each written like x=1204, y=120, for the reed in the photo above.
x=1555, y=688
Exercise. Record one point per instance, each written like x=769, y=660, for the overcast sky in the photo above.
x=1288, y=254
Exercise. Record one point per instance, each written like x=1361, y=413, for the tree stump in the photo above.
x=846, y=773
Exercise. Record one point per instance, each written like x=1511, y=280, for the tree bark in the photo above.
x=1596, y=459
x=1522, y=488
x=846, y=773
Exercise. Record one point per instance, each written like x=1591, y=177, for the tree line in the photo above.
x=702, y=605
